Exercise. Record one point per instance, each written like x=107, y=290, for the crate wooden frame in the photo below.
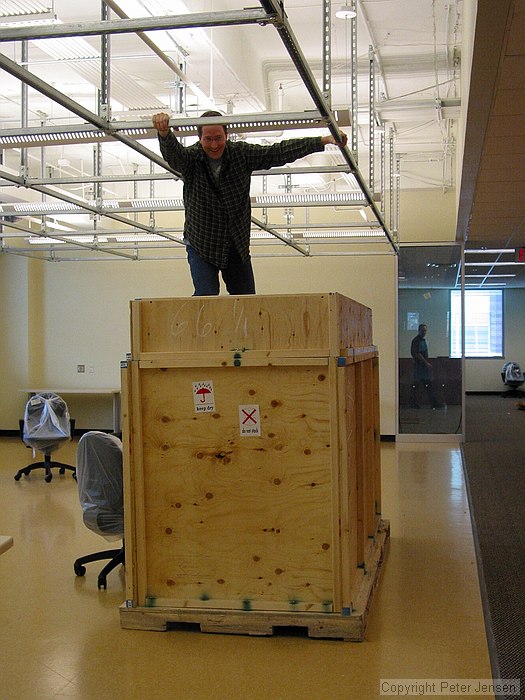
x=317, y=351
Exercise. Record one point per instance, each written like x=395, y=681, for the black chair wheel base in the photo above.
x=80, y=570
x=102, y=584
x=18, y=476
x=48, y=477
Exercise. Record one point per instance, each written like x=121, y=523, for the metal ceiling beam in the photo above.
x=89, y=179
x=13, y=229
x=110, y=208
x=273, y=13
x=85, y=207
x=275, y=9
x=107, y=130
x=142, y=24
x=62, y=99
x=66, y=239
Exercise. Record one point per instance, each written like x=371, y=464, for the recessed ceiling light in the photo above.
x=345, y=12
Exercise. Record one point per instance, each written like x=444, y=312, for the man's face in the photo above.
x=213, y=141
x=423, y=331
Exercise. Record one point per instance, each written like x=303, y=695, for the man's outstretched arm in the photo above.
x=330, y=139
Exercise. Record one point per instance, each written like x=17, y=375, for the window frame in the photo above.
x=453, y=327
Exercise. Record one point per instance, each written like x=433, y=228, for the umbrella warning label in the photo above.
x=203, y=397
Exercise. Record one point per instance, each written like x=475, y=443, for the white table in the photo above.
x=115, y=393
x=5, y=543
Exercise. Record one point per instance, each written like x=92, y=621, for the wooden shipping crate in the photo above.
x=252, y=464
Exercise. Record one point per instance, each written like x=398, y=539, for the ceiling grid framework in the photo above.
x=97, y=128
x=265, y=68
x=244, y=63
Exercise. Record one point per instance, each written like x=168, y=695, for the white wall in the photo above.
x=427, y=216
x=13, y=339
x=85, y=312
x=60, y=315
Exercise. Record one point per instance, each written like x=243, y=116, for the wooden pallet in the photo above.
x=349, y=626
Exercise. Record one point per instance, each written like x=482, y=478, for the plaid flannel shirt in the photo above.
x=218, y=213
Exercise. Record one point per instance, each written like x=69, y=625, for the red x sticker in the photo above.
x=250, y=420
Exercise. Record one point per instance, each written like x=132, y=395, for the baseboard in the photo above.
x=76, y=433
x=80, y=431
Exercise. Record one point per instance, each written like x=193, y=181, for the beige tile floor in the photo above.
x=60, y=637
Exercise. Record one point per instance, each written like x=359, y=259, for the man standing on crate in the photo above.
x=217, y=176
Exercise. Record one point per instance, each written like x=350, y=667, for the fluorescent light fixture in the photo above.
x=144, y=238
x=492, y=264
x=280, y=200
x=26, y=12
x=155, y=203
x=48, y=138
x=43, y=207
x=45, y=240
x=486, y=284
x=345, y=12
x=343, y=234
x=491, y=276
x=482, y=251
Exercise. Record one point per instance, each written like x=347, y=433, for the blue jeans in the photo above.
x=238, y=277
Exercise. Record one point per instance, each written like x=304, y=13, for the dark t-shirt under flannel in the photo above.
x=218, y=213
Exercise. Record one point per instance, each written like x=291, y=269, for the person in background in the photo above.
x=217, y=174
x=422, y=369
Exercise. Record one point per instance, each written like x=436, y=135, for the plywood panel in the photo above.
x=214, y=324
x=278, y=522
x=242, y=521
x=354, y=323
x=348, y=495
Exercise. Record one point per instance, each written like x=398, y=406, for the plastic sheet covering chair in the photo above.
x=513, y=377
x=100, y=489
x=46, y=426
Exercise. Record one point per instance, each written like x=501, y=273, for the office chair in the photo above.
x=100, y=489
x=45, y=427
x=513, y=377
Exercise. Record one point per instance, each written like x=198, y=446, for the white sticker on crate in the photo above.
x=250, y=420
x=203, y=397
